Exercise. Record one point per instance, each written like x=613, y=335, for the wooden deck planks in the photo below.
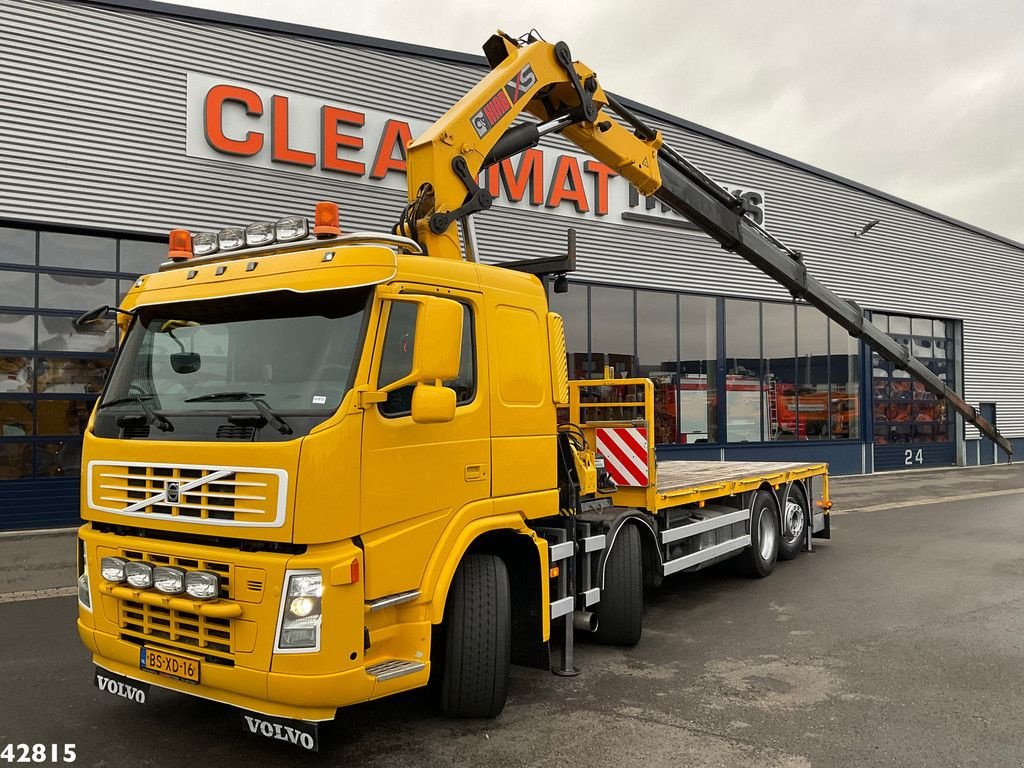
x=682, y=475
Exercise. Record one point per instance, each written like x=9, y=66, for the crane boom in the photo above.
x=540, y=78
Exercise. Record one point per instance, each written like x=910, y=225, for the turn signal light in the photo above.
x=179, y=245
x=326, y=221
x=553, y=572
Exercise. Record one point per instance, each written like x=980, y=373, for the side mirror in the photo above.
x=90, y=317
x=433, y=405
x=186, y=362
x=438, y=349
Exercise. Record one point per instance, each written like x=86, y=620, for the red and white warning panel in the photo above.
x=625, y=453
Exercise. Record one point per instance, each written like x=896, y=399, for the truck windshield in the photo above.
x=294, y=352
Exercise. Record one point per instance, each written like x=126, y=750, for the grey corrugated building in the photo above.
x=120, y=121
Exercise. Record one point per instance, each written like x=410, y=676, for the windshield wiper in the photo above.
x=253, y=397
x=151, y=416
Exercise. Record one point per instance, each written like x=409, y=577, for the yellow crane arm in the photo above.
x=537, y=77
x=540, y=78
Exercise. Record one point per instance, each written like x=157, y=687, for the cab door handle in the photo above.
x=476, y=472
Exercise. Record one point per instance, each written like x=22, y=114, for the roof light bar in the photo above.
x=326, y=224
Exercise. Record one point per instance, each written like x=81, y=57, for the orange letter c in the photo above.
x=213, y=111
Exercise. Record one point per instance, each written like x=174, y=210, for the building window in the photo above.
x=16, y=374
x=658, y=358
x=139, y=257
x=698, y=367
x=611, y=332
x=57, y=249
x=17, y=289
x=572, y=306
x=50, y=374
x=844, y=383
x=66, y=291
x=778, y=355
x=744, y=417
x=812, y=364
x=904, y=411
x=17, y=331
x=17, y=246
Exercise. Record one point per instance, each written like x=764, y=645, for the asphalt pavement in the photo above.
x=900, y=642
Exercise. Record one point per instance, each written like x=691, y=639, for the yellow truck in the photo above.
x=330, y=467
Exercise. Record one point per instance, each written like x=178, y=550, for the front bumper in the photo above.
x=241, y=668
x=270, y=693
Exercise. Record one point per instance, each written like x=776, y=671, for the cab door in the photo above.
x=415, y=477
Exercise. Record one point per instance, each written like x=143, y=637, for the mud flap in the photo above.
x=120, y=686
x=300, y=733
x=822, y=528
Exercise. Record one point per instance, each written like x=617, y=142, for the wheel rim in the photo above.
x=793, y=521
x=766, y=539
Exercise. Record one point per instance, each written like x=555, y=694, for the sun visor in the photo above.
x=319, y=269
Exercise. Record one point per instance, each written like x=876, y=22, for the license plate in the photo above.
x=170, y=664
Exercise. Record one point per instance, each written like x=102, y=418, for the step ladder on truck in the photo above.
x=321, y=459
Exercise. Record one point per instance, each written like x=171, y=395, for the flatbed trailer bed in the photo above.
x=682, y=481
x=697, y=512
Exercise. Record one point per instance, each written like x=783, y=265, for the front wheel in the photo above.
x=759, y=558
x=477, y=639
x=620, y=614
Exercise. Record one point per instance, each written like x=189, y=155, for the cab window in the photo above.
x=396, y=359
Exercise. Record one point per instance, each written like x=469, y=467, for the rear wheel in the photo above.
x=620, y=614
x=758, y=559
x=794, y=523
x=477, y=639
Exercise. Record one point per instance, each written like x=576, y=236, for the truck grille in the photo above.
x=185, y=631
x=205, y=494
x=178, y=630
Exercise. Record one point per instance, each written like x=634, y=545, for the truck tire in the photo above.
x=795, y=515
x=759, y=558
x=477, y=639
x=620, y=614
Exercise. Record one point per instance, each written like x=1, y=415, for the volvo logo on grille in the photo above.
x=173, y=491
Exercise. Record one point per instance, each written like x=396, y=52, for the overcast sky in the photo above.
x=921, y=99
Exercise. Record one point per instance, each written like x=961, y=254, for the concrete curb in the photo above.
x=32, y=532
x=37, y=594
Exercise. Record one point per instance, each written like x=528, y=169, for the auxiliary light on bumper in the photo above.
x=201, y=585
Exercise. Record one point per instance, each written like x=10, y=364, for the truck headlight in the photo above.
x=112, y=569
x=301, y=607
x=170, y=581
x=139, y=575
x=202, y=585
